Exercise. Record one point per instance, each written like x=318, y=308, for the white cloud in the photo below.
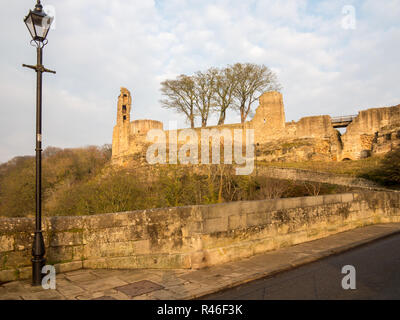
x=101, y=45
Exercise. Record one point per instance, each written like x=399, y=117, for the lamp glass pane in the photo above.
x=40, y=25
x=29, y=24
x=48, y=21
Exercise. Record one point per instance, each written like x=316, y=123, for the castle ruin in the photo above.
x=315, y=138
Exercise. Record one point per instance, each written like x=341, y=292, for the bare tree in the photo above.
x=205, y=86
x=272, y=189
x=313, y=188
x=217, y=90
x=252, y=80
x=180, y=96
x=224, y=87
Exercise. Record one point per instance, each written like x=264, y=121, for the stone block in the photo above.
x=192, y=228
x=107, y=220
x=65, y=238
x=257, y=219
x=68, y=266
x=153, y=261
x=59, y=254
x=312, y=201
x=99, y=263
x=107, y=235
x=141, y=246
x=215, y=225
x=64, y=223
x=25, y=273
x=332, y=198
x=263, y=245
x=6, y=243
x=23, y=240
x=16, y=225
x=291, y=203
x=347, y=197
x=108, y=249
x=16, y=259
x=255, y=206
x=237, y=222
x=222, y=210
x=8, y=275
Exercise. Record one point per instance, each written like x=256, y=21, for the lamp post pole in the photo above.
x=39, y=40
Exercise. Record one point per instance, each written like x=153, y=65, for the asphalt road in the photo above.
x=377, y=267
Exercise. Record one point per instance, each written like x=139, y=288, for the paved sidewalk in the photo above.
x=102, y=284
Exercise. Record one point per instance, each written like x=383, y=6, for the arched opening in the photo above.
x=346, y=159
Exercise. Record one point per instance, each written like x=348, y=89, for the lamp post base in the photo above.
x=38, y=260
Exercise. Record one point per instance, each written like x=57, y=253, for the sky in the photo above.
x=332, y=57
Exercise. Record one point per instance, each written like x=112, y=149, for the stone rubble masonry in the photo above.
x=310, y=138
x=319, y=177
x=361, y=135
x=190, y=237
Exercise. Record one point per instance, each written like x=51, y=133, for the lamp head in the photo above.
x=38, y=23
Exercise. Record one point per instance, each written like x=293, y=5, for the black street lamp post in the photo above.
x=38, y=24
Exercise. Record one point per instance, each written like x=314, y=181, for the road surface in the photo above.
x=377, y=267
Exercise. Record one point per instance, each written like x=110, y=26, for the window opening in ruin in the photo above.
x=124, y=118
x=124, y=108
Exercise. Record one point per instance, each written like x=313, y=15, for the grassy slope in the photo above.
x=351, y=167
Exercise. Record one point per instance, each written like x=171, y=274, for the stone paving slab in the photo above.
x=150, y=284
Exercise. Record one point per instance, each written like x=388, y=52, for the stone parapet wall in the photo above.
x=188, y=237
x=315, y=176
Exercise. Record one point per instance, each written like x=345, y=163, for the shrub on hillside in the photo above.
x=60, y=167
x=388, y=171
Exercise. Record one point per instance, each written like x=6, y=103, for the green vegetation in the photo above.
x=62, y=171
x=387, y=172
x=81, y=182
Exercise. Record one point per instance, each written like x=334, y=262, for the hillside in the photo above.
x=81, y=181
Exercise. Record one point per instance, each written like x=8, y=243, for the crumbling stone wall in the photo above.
x=361, y=133
x=269, y=119
x=191, y=236
x=310, y=138
x=269, y=126
x=387, y=139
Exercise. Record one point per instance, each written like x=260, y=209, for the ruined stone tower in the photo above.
x=122, y=129
x=124, y=107
x=129, y=137
x=269, y=119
